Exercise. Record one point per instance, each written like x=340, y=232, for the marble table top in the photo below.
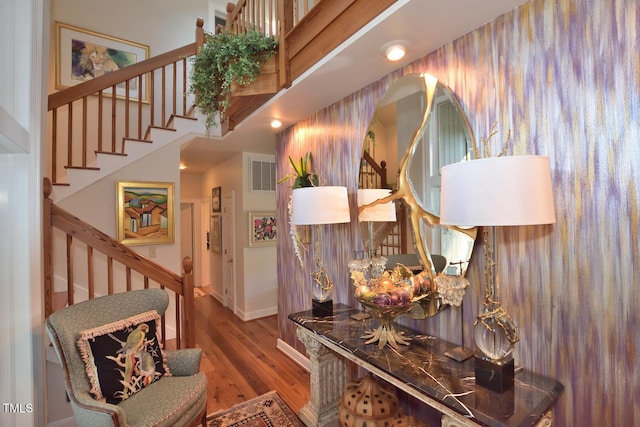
x=423, y=367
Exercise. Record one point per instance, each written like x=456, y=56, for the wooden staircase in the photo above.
x=91, y=130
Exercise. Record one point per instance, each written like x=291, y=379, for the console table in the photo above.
x=420, y=369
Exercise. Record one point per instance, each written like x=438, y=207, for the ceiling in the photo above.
x=425, y=25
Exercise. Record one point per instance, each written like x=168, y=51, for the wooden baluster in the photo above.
x=175, y=88
x=54, y=145
x=100, y=98
x=152, y=103
x=109, y=275
x=146, y=282
x=70, y=135
x=271, y=24
x=184, y=86
x=140, y=94
x=84, y=132
x=179, y=323
x=69, y=270
x=164, y=98
x=163, y=325
x=90, y=273
x=126, y=113
x=113, y=118
x=128, y=274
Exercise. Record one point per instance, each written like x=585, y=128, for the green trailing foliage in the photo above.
x=224, y=58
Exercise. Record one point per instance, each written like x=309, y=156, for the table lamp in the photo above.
x=496, y=192
x=318, y=206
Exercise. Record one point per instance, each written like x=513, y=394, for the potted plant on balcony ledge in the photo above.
x=223, y=59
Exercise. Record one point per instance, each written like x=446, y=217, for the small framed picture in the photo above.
x=216, y=234
x=216, y=199
x=262, y=229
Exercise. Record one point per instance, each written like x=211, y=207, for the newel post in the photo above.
x=199, y=33
x=47, y=246
x=189, y=321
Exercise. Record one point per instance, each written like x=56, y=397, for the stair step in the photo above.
x=110, y=152
x=148, y=133
x=89, y=168
x=183, y=117
x=137, y=140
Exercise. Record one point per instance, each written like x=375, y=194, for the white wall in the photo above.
x=260, y=263
x=162, y=25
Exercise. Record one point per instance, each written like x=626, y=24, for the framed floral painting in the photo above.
x=262, y=229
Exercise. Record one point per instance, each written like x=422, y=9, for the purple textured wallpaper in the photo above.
x=564, y=78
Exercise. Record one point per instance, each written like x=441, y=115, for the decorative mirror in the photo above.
x=417, y=127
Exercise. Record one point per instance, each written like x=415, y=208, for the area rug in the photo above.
x=268, y=410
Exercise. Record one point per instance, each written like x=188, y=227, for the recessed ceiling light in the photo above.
x=395, y=50
x=182, y=166
x=275, y=123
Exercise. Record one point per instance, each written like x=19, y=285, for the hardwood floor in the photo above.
x=241, y=359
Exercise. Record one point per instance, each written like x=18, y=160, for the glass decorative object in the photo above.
x=386, y=333
x=451, y=287
x=385, y=297
x=494, y=331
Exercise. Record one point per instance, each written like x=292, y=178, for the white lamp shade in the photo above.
x=497, y=191
x=320, y=205
x=379, y=213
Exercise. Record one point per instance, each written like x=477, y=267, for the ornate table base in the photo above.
x=328, y=376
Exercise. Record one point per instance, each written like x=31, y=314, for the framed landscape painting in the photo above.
x=262, y=229
x=83, y=55
x=144, y=213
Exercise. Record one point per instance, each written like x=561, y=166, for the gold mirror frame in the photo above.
x=405, y=190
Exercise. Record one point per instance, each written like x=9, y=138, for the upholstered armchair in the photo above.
x=150, y=396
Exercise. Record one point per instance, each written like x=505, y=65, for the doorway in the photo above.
x=228, y=251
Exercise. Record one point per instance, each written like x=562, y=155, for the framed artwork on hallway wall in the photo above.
x=144, y=213
x=83, y=55
x=216, y=199
x=262, y=229
x=216, y=234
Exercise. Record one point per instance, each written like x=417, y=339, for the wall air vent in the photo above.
x=262, y=174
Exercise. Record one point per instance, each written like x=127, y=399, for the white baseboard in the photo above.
x=294, y=355
x=252, y=315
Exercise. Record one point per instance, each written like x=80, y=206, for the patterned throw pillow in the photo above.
x=123, y=357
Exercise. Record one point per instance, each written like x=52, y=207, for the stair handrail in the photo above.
x=380, y=170
x=106, y=81
x=77, y=229
x=110, y=81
